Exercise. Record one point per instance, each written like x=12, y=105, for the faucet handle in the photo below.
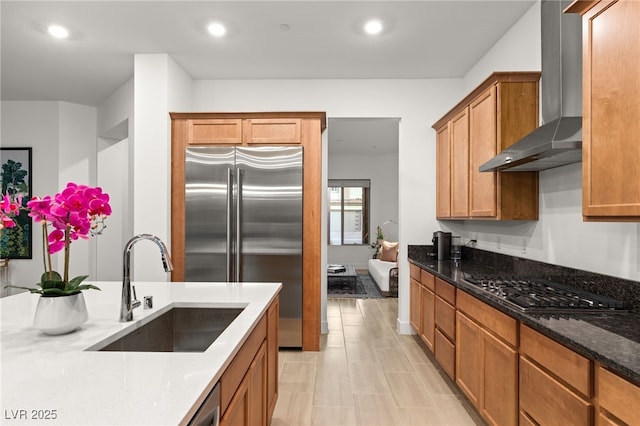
x=135, y=302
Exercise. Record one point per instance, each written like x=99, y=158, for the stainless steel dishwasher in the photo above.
x=209, y=412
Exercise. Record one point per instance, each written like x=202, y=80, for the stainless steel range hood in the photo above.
x=559, y=141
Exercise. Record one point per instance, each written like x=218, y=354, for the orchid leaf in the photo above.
x=50, y=276
x=87, y=287
x=75, y=282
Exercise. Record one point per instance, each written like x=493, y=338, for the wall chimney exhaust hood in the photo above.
x=559, y=141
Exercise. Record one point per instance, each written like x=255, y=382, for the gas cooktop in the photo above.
x=538, y=295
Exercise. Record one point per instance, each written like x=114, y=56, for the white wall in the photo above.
x=382, y=170
x=160, y=86
x=63, y=138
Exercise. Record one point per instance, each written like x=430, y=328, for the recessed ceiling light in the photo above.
x=373, y=27
x=58, y=31
x=216, y=29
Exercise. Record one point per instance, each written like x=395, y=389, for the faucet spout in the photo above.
x=127, y=305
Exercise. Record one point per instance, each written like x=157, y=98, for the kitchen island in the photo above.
x=58, y=380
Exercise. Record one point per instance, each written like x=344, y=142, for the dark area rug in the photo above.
x=365, y=288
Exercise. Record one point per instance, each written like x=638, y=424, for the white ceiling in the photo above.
x=422, y=39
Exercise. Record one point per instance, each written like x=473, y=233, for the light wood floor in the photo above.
x=367, y=374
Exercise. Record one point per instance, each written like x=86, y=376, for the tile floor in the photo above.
x=367, y=374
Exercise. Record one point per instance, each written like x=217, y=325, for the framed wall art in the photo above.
x=15, y=163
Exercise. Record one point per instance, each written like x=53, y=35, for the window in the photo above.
x=348, y=212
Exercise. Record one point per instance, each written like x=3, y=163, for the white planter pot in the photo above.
x=60, y=315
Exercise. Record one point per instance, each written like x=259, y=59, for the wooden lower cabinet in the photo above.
x=548, y=401
x=618, y=399
x=486, y=363
x=248, y=406
x=422, y=304
x=249, y=385
x=555, y=382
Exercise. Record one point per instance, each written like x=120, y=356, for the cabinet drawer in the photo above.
x=414, y=271
x=446, y=318
x=567, y=365
x=446, y=291
x=445, y=353
x=618, y=396
x=498, y=323
x=273, y=130
x=548, y=401
x=214, y=131
x=427, y=280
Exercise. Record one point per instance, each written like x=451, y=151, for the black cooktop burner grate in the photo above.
x=538, y=294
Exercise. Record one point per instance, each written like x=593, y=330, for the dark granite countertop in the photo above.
x=610, y=338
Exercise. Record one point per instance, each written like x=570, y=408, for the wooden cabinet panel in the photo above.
x=414, y=304
x=618, y=397
x=482, y=148
x=427, y=280
x=445, y=353
x=273, y=317
x=499, y=402
x=468, y=361
x=248, y=406
x=414, y=271
x=257, y=390
x=427, y=312
x=443, y=172
x=561, y=361
x=460, y=164
x=611, y=107
x=497, y=322
x=273, y=131
x=214, y=131
x=549, y=402
x=234, y=374
x=445, y=318
x=446, y=291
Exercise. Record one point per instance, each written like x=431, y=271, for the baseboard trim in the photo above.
x=404, y=327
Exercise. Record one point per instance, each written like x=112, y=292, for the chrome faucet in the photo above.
x=127, y=305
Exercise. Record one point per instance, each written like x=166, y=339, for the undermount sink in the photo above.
x=180, y=329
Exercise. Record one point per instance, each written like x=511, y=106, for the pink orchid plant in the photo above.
x=9, y=208
x=77, y=212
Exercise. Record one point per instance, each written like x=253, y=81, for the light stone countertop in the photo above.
x=43, y=375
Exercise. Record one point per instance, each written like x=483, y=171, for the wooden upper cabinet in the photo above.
x=460, y=164
x=214, y=132
x=242, y=131
x=273, y=130
x=482, y=148
x=611, y=107
x=443, y=172
x=498, y=113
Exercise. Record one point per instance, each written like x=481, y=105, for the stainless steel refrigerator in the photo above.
x=244, y=222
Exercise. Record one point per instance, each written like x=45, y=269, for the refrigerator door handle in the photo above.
x=229, y=224
x=238, y=253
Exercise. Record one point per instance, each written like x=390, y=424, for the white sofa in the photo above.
x=380, y=271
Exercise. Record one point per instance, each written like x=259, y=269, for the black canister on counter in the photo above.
x=442, y=245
